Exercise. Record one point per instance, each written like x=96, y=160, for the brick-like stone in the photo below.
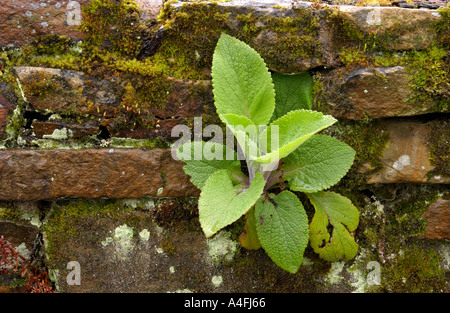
x=76, y=94
x=5, y=108
x=408, y=29
x=92, y=173
x=19, y=225
x=41, y=129
x=22, y=21
x=373, y=93
x=25, y=20
x=438, y=220
x=406, y=158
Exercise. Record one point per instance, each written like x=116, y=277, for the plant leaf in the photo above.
x=294, y=128
x=249, y=238
x=339, y=211
x=242, y=84
x=246, y=133
x=317, y=164
x=292, y=92
x=200, y=168
x=282, y=228
x=221, y=203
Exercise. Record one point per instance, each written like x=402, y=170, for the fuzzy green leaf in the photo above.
x=242, y=84
x=292, y=130
x=317, y=164
x=292, y=92
x=246, y=134
x=282, y=228
x=221, y=203
x=201, y=162
x=335, y=209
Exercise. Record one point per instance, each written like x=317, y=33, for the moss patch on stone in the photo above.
x=438, y=144
x=417, y=270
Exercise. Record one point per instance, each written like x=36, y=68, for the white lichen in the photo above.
x=144, y=234
x=59, y=134
x=216, y=281
x=403, y=160
x=122, y=241
x=221, y=249
x=334, y=276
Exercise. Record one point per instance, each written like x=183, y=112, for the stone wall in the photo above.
x=86, y=113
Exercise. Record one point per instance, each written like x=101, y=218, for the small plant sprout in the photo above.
x=270, y=117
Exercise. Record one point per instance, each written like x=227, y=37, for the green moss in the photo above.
x=138, y=143
x=438, y=144
x=296, y=34
x=71, y=220
x=417, y=270
x=9, y=212
x=442, y=27
x=168, y=246
x=191, y=34
x=407, y=218
x=429, y=74
x=50, y=44
x=40, y=85
x=113, y=25
x=12, y=280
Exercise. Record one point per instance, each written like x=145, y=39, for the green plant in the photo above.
x=270, y=118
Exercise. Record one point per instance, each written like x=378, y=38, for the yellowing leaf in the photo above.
x=335, y=209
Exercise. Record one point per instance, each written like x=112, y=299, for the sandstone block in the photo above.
x=438, y=220
x=406, y=158
x=92, y=173
x=373, y=93
x=26, y=20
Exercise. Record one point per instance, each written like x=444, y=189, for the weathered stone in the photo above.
x=294, y=37
x=19, y=225
x=404, y=29
x=76, y=94
x=91, y=173
x=406, y=158
x=438, y=220
x=150, y=8
x=5, y=108
x=127, y=251
x=67, y=91
x=43, y=129
x=26, y=20
x=23, y=21
x=373, y=93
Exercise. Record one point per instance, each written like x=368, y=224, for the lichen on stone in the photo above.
x=221, y=249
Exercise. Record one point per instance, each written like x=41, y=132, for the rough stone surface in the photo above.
x=373, y=93
x=5, y=108
x=68, y=92
x=92, y=173
x=406, y=158
x=19, y=225
x=131, y=253
x=401, y=22
x=26, y=20
x=438, y=220
x=42, y=129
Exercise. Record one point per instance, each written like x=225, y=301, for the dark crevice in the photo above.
x=167, y=118
x=104, y=133
x=30, y=116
